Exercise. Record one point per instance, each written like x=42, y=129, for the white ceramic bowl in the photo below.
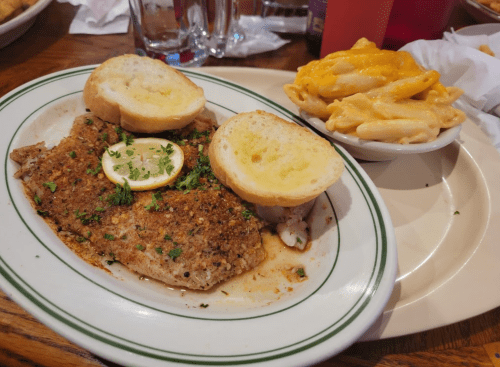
x=16, y=27
x=479, y=29
x=480, y=12
x=377, y=151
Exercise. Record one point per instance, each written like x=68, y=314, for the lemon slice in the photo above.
x=146, y=164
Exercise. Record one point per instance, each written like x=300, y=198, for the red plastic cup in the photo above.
x=412, y=20
x=346, y=22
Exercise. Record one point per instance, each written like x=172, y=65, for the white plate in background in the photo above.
x=448, y=263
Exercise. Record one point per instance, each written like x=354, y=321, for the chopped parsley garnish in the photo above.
x=99, y=209
x=192, y=179
x=298, y=240
x=72, y=154
x=110, y=262
x=38, y=201
x=51, y=185
x=167, y=237
x=95, y=171
x=197, y=134
x=108, y=236
x=104, y=136
x=247, y=214
x=300, y=272
x=122, y=196
x=154, y=205
x=42, y=213
x=204, y=305
x=86, y=219
x=159, y=250
x=175, y=253
x=139, y=247
x=165, y=165
x=113, y=153
x=169, y=149
x=89, y=121
x=134, y=172
x=128, y=139
x=456, y=212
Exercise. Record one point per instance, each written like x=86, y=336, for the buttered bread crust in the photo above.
x=142, y=94
x=272, y=162
x=191, y=238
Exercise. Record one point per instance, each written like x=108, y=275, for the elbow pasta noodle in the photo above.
x=492, y=4
x=9, y=9
x=376, y=94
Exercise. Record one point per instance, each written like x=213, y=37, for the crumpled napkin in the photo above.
x=258, y=37
x=282, y=24
x=461, y=64
x=100, y=16
x=113, y=16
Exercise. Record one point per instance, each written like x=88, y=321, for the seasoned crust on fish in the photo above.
x=211, y=238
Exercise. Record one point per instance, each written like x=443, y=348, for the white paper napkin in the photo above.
x=461, y=64
x=100, y=16
x=258, y=38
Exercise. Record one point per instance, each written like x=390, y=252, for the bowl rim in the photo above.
x=483, y=9
x=22, y=18
x=445, y=137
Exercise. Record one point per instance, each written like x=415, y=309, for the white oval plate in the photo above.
x=379, y=151
x=351, y=272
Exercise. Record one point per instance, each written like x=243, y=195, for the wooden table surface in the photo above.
x=47, y=47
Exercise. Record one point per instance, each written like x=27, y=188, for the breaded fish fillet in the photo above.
x=194, y=236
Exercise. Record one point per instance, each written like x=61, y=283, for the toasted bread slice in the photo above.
x=142, y=94
x=269, y=161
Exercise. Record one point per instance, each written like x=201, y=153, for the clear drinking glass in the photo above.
x=176, y=31
x=226, y=32
x=285, y=16
x=284, y=7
